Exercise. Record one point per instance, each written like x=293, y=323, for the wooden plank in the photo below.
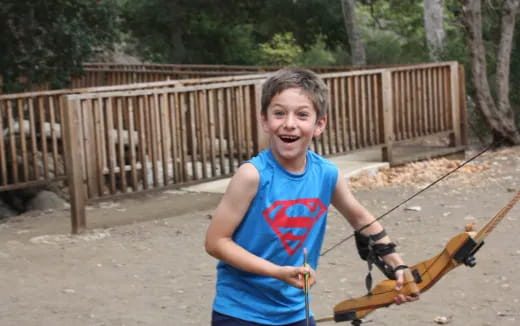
x=165, y=139
x=153, y=139
x=337, y=123
x=408, y=104
x=424, y=106
x=23, y=142
x=184, y=135
x=141, y=134
x=121, y=145
x=240, y=121
x=351, y=114
x=387, y=87
x=413, y=101
x=435, y=100
x=379, y=126
x=343, y=114
x=90, y=148
x=12, y=143
x=365, y=117
x=326, y=135
x=193, y=135
x=98, y=145
x=30, y=184
x=249, y=117
x=174, y=136
x=54, y=138
x=212, y=131
x=111, y=146
x=229, y=123
x=203, y=135
x=403, y=125
x=71, y=126
x=34, y=147
x=221, y=128
x=3, y=161
x=429, y=103
x=370, y=111
x=446, y=116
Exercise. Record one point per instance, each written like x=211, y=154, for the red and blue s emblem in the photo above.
x=292, y=220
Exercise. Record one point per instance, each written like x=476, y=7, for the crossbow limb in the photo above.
x=422, y=276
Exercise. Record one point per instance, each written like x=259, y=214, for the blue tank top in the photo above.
x=287, y=214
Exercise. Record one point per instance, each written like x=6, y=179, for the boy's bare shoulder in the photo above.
x=246, y=175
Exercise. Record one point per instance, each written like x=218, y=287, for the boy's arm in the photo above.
x=228, y=215
x=358, y=216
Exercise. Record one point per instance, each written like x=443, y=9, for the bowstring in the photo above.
x=492, y=145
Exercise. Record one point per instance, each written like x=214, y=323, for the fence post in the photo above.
x=455, y=139
x=262, y=141
x=74, y=164
x=388, y=115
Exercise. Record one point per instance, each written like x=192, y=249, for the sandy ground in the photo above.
x=143, y=262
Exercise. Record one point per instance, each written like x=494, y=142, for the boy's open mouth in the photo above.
x=289, y=139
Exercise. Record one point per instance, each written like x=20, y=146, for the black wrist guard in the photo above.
x=366, y=245
x=373, y=252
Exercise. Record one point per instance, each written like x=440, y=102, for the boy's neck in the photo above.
x=296, y=166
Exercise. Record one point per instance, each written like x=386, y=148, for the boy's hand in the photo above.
x=400, y=276
x=295, y=276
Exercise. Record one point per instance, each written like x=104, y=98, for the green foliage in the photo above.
x=47, y=41
x=318, y=54
x=281, y=50
x=393, y=31
x=205, y=31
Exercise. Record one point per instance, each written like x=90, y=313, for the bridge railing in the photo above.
x=131, y=141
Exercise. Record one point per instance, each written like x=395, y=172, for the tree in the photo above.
x=434, y=27
x=497, y=112
x=47, y=41
x=357, y=47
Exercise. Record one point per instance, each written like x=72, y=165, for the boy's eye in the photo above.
x=278, y=113
x=303, y=114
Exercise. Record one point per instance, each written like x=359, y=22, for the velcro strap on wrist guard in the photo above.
x=363, y=242
x=383, y=249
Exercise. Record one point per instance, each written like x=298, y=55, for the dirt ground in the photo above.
x=142, y=262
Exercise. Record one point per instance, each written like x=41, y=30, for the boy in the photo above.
x=275, y=206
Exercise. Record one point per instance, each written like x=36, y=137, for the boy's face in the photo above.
x=291, y=121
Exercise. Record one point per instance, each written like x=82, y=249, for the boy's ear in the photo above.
x=263, y=121
x=320, y=126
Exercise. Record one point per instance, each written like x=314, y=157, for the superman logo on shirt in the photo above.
x=292, y=220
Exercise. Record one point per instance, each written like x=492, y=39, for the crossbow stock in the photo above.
x=422, y=276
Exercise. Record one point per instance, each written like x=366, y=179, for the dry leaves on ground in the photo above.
x=424, y=172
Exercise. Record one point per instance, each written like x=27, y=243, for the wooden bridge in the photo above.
x=111, y=141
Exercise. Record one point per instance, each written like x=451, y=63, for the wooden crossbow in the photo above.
x=420, y=277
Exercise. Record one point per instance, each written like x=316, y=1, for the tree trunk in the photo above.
x=434, y=27
x=357, y=47
x=499, y=114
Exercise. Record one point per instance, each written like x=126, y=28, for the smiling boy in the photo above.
x=276, y=205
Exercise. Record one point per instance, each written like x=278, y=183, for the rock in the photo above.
x=46, y=200
x=6, y=210
x=441, y=320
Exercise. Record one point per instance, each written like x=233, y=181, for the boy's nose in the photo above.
x=290, y=121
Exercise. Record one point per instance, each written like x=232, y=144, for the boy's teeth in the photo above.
x=288, y=139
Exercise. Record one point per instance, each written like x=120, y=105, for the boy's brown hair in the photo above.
x=309, y=82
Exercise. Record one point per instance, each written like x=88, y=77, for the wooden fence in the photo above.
x=31, y=142
x=133, y=141
x=117, y=140
x=106, y=74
